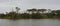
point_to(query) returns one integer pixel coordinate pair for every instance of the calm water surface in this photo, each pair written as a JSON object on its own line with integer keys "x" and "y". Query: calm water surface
{"x": 30, "y": 22}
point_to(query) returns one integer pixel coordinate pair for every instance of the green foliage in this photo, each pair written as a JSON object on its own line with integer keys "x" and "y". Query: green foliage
{"x": 25, "y": 16}
{"x": 36, "y": 16}
{"x": 55, "y": 14}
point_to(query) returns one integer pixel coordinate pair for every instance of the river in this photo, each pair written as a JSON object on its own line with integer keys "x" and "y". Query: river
{"x": 30, "y": 22}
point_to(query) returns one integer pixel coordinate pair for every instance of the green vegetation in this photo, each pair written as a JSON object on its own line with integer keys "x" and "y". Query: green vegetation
{"x": 32, "y": 14}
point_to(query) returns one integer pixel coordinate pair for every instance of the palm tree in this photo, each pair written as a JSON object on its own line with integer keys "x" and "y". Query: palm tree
{"x": 17, "y": 9}
{"x": 15, "y": 14}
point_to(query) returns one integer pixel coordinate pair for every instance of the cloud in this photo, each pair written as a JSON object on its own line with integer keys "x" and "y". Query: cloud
{"x": 24, "y": 4}
{"x": 43, "y": 3}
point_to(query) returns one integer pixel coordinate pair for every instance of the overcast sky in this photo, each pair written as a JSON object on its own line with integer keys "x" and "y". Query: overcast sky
{"x": 7, "y": 5}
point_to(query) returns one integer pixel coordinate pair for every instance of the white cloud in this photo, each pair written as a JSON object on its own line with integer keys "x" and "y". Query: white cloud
{"x": 24, "y": 4}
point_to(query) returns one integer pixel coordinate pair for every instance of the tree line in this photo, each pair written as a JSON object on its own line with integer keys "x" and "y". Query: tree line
{"x": 32, "y": 14}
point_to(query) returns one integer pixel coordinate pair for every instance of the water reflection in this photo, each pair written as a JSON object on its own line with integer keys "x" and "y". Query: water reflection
{"x": 30, "y": 22}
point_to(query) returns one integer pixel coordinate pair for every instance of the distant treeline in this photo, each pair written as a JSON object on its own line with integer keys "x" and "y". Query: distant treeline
{"x": 32, "y": 14}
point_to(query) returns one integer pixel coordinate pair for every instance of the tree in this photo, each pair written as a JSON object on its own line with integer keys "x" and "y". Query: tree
{"x": 25, "y": 16}
{"x": 33, "y": 10}
{"x": 2, "y": 16}
{"x": 53, "y": 12}
{"x": 17, "y": 9}
{"x": 29, "y": 10}
{"x": 58, "y": 12}
{"x": 41, "y": 10}
{"x": 37, "y": 16}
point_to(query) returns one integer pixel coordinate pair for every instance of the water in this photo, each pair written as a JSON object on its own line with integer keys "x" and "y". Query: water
{"x": 30, "y": 22}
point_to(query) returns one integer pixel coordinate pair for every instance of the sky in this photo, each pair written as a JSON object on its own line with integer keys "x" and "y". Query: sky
{"x": 8, "y": 5}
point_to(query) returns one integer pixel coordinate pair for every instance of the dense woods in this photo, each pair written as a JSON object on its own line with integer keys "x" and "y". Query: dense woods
{"x": 32, "y": 14}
